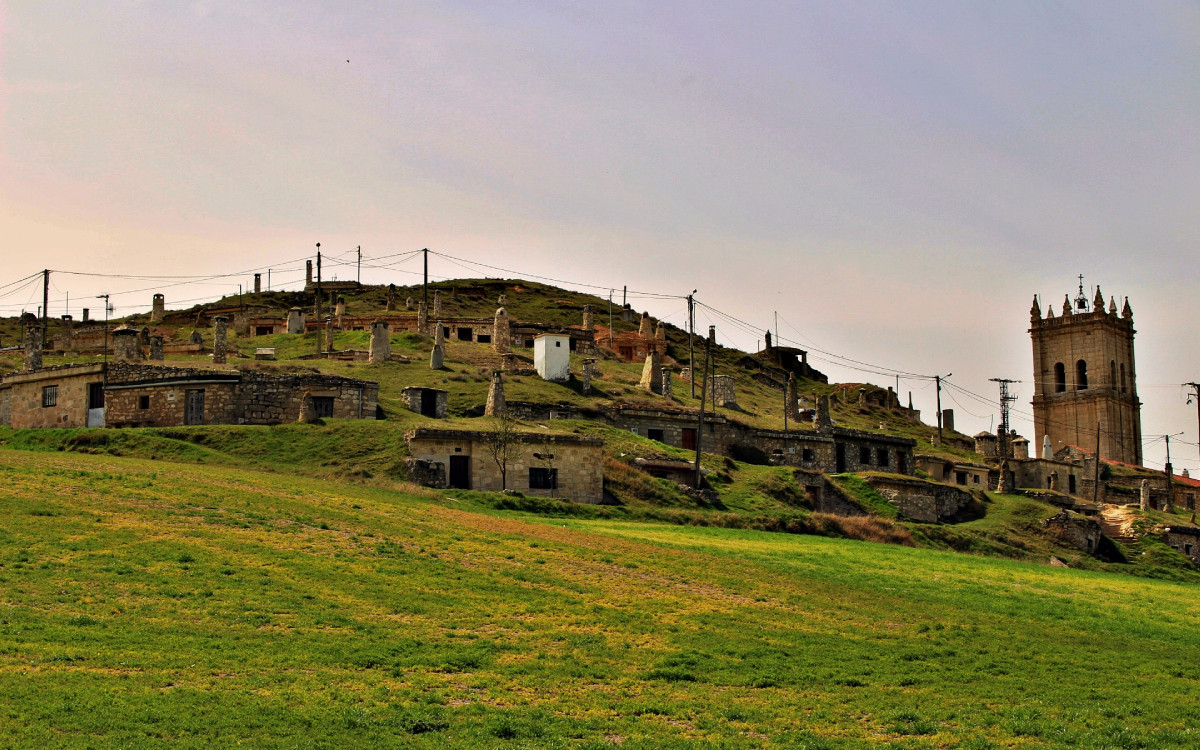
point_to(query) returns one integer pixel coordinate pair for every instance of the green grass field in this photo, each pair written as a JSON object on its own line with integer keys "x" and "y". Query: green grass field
{"x": 149, "y": 604}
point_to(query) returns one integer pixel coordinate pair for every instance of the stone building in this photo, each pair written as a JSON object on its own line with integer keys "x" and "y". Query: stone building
{"x": 549, "y": 465}
{"x": 1084, "y": 376}
{"x": 137, "y": 395}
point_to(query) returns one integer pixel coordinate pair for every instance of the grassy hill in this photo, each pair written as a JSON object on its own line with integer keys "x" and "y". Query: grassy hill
{"x": 151, "y": 603}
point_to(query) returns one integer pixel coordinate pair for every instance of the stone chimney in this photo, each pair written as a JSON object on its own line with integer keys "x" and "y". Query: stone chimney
{"x": 589, "y": 323}
{"x": 408, "y": 304}
{"x": 33, "y": 347}
{"x": 437, "y": 304}
{"x": 589, "y": 366}
{"x": 652, "y": 373}
{"x": 158, "y": 308}
{"x": 308, "y": 409}
{"x": 85, "y": 315}
{"x": 644, "y": 328}
{"x": 329, "y": 334}
{"x": 381, "y": 342}
{"x": 667, "y": 389}
{"x": 660, "y": 339}
{"x": 423, "y": 319}
{"x": 390, "y": 303}
{"x": 501, "y": 333}
{"x": 823, "y": 421}
{"x": 308, "y": 273}
{"x": 496, "y": 405}
{"x": 438, "y": 356}
{"x": 295, "y": 320}
{"x": 340, "y": 309}
{"x": 948, "y": 420}
{"x": 125, "y": 345}
{"x": 258, "y": 283}
{"x": 725, "y": 393}
{"x": 68, "y": 332}
{"x": 219, "y": 346}
{"x": 156, "y": 348}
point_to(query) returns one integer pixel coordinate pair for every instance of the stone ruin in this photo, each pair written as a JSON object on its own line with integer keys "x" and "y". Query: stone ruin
{"x": 381, "y": 342}
{"x": 196, "y": 339}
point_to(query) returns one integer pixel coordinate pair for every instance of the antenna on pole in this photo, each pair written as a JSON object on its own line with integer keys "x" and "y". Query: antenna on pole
{"x": 1005, "y": 400}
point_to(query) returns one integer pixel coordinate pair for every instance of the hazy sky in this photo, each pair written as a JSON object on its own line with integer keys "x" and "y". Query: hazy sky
{"x": 896, "y": 180}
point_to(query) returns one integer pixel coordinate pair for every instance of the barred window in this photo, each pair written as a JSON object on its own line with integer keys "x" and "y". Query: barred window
{"x": 543, "y": 479}
{"x": 50, "y": 395}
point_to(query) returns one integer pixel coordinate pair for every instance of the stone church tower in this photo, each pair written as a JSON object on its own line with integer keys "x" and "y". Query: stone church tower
{"x": 1084, "y": 375}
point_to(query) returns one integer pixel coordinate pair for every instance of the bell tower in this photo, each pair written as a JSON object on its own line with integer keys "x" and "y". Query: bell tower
{"x": 1084, "y": 376}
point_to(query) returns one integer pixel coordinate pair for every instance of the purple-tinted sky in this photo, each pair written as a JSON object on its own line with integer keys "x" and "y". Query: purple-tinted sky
{"x": 896, "y": 180}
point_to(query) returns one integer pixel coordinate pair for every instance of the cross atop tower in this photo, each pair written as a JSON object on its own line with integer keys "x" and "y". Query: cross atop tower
{"x": 1081, "y": 302}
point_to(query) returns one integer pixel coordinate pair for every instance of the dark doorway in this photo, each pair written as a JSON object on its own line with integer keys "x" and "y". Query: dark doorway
{"x": 689, "y": 438}
{"x": 654, "y": 434}
{"x": 901, "y": 468}
{"x": 194, "y": 407}
{"x": 465, "y": 334}
{"x": 323, "y": 406}
{"x": 460, "y": 472}
{"x": 95, "y": 396}
{"x": 429, "y": 404}
{"x": 840, "y": 457}
{"x": 1071, "y": 484}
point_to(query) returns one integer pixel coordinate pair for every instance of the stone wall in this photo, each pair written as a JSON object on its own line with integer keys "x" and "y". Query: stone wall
{"x": 145, "y": 395}
{"x": 24, "y": 396}
{"x": 412, "y": 397}
{"x": 928, "y": 502}
{"x": 1186, "y": 539}
{"x": 1073, "y": 529}
{"x": 577, "y": 459}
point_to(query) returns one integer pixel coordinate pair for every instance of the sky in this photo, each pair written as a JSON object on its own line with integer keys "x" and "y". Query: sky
{"x": 892, "y": 181}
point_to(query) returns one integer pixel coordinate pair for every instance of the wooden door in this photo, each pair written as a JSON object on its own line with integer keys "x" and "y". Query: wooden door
{"x": 194, "y": 407}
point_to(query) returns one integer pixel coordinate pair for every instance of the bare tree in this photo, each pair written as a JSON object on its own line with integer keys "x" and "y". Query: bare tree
{"x": 503, "y": 443}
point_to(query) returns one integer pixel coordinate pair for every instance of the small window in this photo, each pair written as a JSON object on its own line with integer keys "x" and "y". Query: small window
{"x": 1123, "y": 377}
{"x": 465, "y": 334}
{"x": 864, "y": 454}
{"x": 50, "y": 395}
{"x": 654, "y": 434}
{"x": 975, "y": 478}
{"x": 558, "y": 343}
{"x": 484, "y": 338}
{"x": 882, "y": 456}
{"x": 323, "y": 406}
{"x": 543, "y": 479}
{"x": 808, "y": 455}
{"x": 1112, "y": 374}
{"x": 1060, "y": 377}
{"x": 143, "y": 402}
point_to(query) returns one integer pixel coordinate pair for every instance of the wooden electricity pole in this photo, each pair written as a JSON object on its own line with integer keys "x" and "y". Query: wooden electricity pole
{"x": 691, "y": 338}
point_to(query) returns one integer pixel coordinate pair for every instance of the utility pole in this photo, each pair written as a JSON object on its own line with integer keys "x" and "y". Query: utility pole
{"x": 610, "y": 332}
{"x": 938, "y": 379}
{"x": 712, "y": 341}
{"x": 359, "y": 275}
{"x": 317, "y": 296}
{"x": 426, "y": 285}
{"x": 1168, "y": 471}
{"x": 1195, "y": 395}
{"x": 691, "y": 340}
{"x": 45, "y": 305}
{"x": 106, "y": 309}
{"x": 1005, "y": 400}
{"x": 700, "y": 419}
{"x": 624, "y": 296}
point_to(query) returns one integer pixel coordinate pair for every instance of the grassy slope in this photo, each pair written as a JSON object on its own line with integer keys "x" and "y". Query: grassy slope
{"x": 147, "y": 604}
